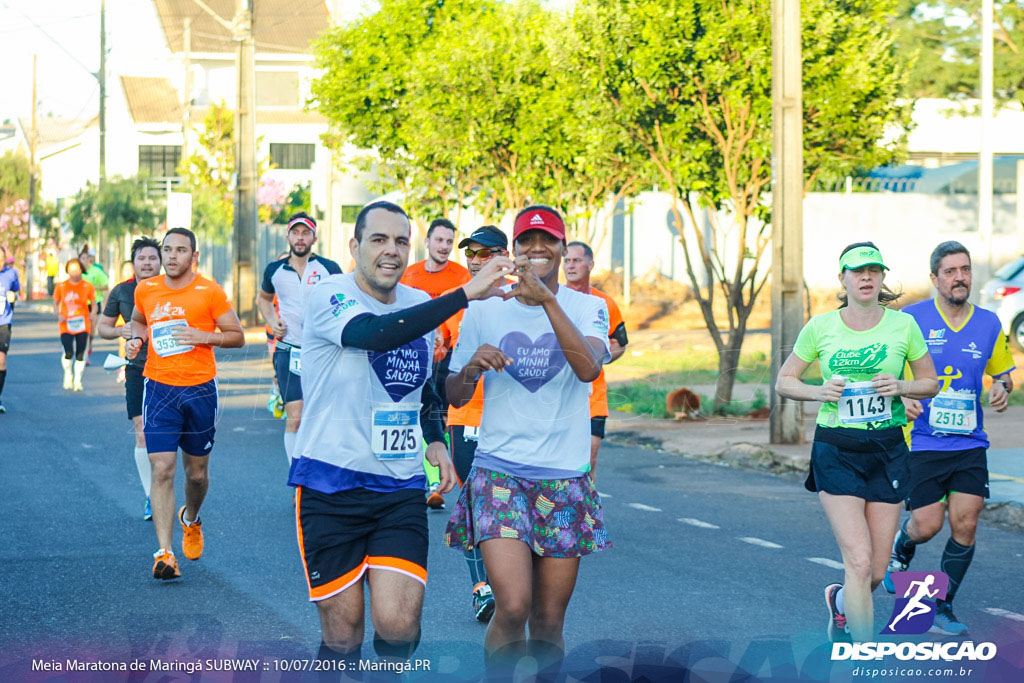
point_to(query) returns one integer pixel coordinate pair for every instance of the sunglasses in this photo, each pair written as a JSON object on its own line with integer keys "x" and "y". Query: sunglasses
{"x": 486, "y": 252}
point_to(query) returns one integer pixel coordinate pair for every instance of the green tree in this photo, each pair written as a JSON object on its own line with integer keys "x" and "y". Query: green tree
{"x": 941, "y": 39}
{"x": 117, "y": 208}
{"x": 14, "y": 178}
{"x": 691, "y": 83}
{"x": 207, "y": 175}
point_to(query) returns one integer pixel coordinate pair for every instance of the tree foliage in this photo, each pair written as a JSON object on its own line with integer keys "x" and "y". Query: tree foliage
{"x": 118, "y": 207}
{"x": 497, "y": 104}
{"x": 14, "y": 178}
{"x": 942, "y": 41}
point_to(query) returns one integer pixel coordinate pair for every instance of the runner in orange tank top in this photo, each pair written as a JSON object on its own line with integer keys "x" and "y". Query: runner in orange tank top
{"x": 577, "y": 265}
{"x": 72, "y": 301}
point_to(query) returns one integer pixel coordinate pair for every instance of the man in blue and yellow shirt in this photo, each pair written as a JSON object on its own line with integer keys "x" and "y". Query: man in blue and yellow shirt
{"x": 948, "y": 443}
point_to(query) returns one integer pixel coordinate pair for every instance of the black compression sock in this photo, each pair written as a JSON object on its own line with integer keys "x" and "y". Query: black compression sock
{"x": 3, "y": 377}
{"x": 905, "y": 546}
{"x": 343, "y": 665}
{"x": 397, "y": 650}
{"x": 956, "y": 559}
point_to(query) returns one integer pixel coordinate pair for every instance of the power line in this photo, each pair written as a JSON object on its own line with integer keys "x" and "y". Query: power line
{"x": 52, "y": 39}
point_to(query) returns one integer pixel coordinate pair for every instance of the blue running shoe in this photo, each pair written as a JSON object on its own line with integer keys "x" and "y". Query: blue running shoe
{"x": 147, "y": 512}
{"x": 483, "y": 602}
{"x": 946, "y": 622}
{"x": 898, "y": 562}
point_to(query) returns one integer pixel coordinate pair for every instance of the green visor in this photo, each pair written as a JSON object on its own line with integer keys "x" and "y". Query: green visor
{"x": 859, "y": 257}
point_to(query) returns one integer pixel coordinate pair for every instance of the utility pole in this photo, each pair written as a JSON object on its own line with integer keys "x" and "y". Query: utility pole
{"x": 786, "y": 421}
{"x": 186, "y": 103}
{"x": 102, "y": 76}
{"x": 245, "y": 164}
{"x": 33, "y": 139}
{"x": 985, "y": 153}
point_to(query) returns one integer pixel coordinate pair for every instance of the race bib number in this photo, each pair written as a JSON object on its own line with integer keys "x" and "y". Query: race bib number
{"x": 396, "y": 433}
{"x": 295, "y": 361}
{"x": 471, "y": 434}
{"x": 861, "y": 403}
{"x": 953, "y": 412}
{"x": 161, "y": 340}
{"x": 76, "y": 324}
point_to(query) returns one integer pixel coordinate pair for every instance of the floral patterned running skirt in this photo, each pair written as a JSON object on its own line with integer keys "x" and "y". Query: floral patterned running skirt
{"x": 554, "y": 517}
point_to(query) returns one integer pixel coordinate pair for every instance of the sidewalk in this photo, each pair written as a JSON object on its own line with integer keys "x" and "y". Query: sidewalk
{"x": 742, "y": 442}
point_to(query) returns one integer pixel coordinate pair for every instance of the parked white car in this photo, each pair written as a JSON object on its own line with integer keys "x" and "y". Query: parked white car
{"x": 1004, "y": 296}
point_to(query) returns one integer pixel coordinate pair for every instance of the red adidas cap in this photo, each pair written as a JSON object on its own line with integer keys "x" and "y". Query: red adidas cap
{"x": 302, "y": 221}
{"x": 544, "y": 219}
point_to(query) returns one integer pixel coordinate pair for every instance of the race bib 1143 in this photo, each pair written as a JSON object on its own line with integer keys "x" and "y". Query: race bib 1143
{"x": 861, "y": 403}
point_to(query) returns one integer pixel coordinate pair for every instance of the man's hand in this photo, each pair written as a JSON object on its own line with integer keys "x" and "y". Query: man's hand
{"x": 189, "y": 336}
{"x": 886, "y": 384}
{"x": 913, "y": 407}
{"x": 437, "y": 455}
{"x": 11, "y": 297}
{"x": 132, "y": 348}
{"x": 832, "y": 390}
{"x": 125, "y": 331}
{"x": 488, "y": 357}
{"x": 998, "y": 397}
{"x": 482, "y": 286}
{"x": 530, "y": 290}
{"x": 278, "y": 328}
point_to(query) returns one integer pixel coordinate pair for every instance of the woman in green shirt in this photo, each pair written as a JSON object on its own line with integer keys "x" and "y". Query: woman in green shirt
{"x": 859, "y": 460}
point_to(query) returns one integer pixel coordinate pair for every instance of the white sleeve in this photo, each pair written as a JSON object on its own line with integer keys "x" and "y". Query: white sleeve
{"x": 593, "y": 322}
{"x": 469, "y": 339}
{"x": 328, "y": 310}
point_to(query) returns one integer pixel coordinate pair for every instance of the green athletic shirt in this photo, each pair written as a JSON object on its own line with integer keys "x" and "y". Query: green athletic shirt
{"x": 859, "y": 356}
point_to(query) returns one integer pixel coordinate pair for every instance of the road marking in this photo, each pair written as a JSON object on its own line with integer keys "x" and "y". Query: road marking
{"x": 827, "y": 562}
{"x": 1005, "y": 477}
{"x": 87, "y": 446}
{"x": 697, "y": 523}
{"x": 641, "y": 506}
{"x": 759, "y": 541}
{"x": 1004, "y": 613}
{"x": 238, "y": 429}
{"x": 604, "y": 495}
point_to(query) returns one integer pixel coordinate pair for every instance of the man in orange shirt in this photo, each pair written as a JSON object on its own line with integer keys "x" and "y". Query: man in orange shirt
{"x": 578, "y": 263}
{"x": 180, "y": 314}
{"x": 73, "y": 300}
{"x": 464, "y": 423}
{"x": 436, "y": 275}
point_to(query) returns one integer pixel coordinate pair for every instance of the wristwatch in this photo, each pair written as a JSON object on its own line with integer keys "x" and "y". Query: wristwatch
{"x": 1005, "y": 385}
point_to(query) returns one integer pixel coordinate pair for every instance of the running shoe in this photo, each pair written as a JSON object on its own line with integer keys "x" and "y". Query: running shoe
{"x": 946, "y": 622}
{"x": 838, "y": 631}
{"x": 271, "y": 402}
{"x": 435, "y": 501}
{"x": 192, "y": 541}
{"x": 898, "y": 562}
{"x": 483, "y": 602}
{"x": 2, "y": 409}
{"x": 78, "y": 385}
{"x": 165, "y": 566}
{"x": 147, "y": 511}
{"x": 279, "y": 408}
{"x": 68, "y": 380}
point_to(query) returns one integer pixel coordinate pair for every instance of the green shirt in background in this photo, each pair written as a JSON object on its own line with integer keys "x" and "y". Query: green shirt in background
{"x": 96, "y": 277}
{"x": 859, "y": 356}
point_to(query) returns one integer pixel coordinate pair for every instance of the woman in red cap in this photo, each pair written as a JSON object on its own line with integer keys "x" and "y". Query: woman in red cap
{"x": 528, "y": 502}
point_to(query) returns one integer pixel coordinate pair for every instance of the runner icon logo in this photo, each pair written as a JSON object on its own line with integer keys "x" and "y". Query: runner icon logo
{"x": 914, "y": 613}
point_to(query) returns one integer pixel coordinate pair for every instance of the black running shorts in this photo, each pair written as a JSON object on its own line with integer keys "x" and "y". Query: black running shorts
{"x": 289, "y": 385}
{"x": 935, "y": 474}
{"x": 134, "y": 383}
{"x": 869, "y": 464}
{"x": 343, "y": 534}
{"x": 463, "y": 451}
{"x": 5, "y": 338}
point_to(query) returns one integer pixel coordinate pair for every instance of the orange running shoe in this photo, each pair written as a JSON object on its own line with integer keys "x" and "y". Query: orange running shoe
{"x": 192, "y": 540}
{"x": 165, "y": 566}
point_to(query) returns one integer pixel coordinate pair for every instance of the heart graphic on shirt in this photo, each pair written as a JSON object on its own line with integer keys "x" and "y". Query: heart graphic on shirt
{"x": 535, "y": 362}
{"x": 403, "y": 370}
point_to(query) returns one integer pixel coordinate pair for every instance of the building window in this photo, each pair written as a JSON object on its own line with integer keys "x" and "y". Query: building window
{"x": 292, "y": 154}
{"x": 159, "y": 161}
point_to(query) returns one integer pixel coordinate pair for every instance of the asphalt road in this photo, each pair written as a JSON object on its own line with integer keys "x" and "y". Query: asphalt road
{"x": 716, "y": 571}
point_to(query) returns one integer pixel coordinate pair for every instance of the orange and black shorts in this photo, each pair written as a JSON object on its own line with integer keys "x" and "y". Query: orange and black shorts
{"x": 343, "y": 534}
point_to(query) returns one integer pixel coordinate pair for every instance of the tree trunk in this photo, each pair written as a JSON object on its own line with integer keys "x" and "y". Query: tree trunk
{"x": 728, "y": 363}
